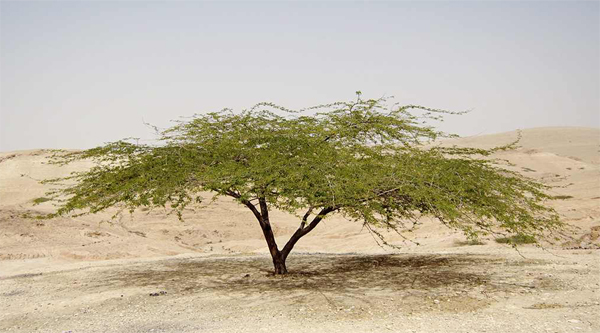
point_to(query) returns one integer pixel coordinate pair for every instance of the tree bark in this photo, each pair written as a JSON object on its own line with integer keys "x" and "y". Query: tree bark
{"x": 278, "y": 259}
{"x": 265, "y": 224}
{"x": 279, "y": 264}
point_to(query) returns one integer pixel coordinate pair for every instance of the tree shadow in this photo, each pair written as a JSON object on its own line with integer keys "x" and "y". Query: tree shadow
{"x": 326, "y": 273}
{"x": 413, "y": 282}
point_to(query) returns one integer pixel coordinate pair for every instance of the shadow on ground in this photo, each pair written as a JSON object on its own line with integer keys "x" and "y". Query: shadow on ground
{"x": 326, "y": 273}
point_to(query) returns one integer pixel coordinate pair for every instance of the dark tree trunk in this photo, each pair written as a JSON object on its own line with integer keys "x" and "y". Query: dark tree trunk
{"x": 265, "y": 224}
{"x": 279, "y": 264}
{"x": 278, "y": 258}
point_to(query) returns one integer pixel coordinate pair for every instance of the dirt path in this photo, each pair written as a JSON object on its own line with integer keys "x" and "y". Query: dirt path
{"x": 452, "y": 292}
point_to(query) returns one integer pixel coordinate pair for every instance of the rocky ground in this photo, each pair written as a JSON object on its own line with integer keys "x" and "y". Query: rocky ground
{"x": 467, "y": 290}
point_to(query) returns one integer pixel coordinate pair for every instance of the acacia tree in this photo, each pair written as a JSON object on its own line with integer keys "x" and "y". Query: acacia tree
{"x": 368, "y": 160}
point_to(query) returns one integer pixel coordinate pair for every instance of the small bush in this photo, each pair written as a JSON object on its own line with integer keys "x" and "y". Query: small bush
{"x": 516, "y": 240}
{"x": 562, "y": 197}
{"x": 40, "y": 200}
{"x": 469, "y": 242}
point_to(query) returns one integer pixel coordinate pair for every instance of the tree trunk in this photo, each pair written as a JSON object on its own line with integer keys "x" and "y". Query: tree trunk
{"x": 279, "y": 264}
{"x": 279, "y": 257}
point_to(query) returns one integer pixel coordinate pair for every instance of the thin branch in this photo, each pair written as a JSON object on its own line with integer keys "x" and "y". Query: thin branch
{"x": 264, "y": 210}
{"x": 232, "y": 193}
{"x": 254, "y": 210}
{"x": 305, "y": 217}
{"x": 300, "y": 232}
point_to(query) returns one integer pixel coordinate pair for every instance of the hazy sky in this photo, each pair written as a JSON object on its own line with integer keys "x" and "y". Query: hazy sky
{"x": 78, "y": 74}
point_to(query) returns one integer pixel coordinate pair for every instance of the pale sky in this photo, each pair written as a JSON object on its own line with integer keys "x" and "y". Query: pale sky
{"x": 79, "y": 74}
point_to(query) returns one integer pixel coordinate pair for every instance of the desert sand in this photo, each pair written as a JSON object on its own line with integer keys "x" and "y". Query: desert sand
{"x": 149, "y": 272}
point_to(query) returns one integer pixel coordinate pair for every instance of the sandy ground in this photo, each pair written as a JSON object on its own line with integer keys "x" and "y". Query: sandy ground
{"x": 96, "y": 274}
{"x": 437, "y": 292}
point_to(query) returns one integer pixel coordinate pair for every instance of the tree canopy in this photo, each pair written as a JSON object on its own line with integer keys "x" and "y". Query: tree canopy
{"x": 368, "y": 159}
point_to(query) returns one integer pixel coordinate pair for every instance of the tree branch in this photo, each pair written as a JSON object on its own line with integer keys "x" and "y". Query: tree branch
{"x": 264, "y": 210}
{"x": 232, "y": 193}
{"x": 254, "y": 210}
{"x": 305, "y": 218}
{"x": 248, "y": 204}
{"x": 300, "y": 232}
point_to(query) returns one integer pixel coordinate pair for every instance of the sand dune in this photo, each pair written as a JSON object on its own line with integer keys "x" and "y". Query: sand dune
{"x": 577, "y": 143}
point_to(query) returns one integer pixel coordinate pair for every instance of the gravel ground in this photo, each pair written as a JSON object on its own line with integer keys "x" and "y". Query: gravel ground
{"x": 464, "y": 291}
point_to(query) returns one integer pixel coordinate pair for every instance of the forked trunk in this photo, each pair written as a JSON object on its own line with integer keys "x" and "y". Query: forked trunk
{"x": 279, "y": 257}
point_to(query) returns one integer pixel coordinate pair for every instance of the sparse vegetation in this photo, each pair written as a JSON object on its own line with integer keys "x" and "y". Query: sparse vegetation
{"x": 562, "y": 197}
{"x": 517, "y": 240}
{"x": 469, "y": 242}
{"x": 40, "y": 200}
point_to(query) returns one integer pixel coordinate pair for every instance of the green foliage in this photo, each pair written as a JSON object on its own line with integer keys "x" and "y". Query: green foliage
{"x": 368, "y": 160}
